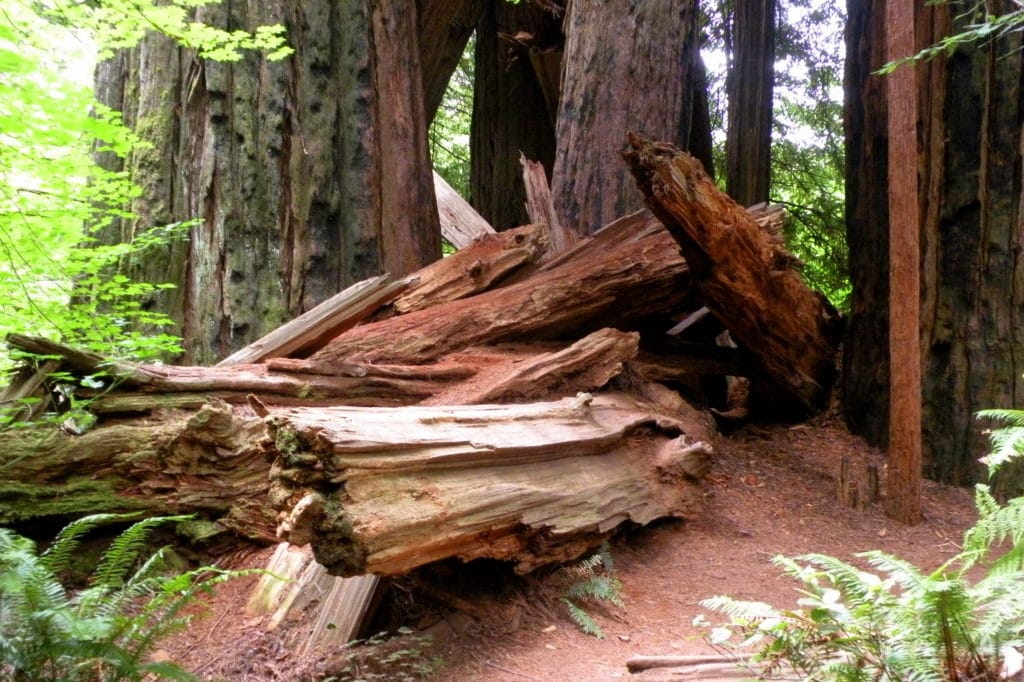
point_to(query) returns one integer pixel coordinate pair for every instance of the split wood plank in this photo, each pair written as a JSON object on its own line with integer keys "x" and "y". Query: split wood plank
{"x": 312, "y": 329}
{"x": 586, "y": 365}
{"x": 460, "y": 223}
{"x": 475, "y": 268}
{"x": 541, "y": 208}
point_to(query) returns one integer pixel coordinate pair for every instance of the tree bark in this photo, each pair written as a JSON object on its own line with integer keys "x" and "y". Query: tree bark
{"x": 745, "y": 278}
{"x": 642, "y": 76}
{"x": 384, "y": 493}
{"x": 972, "y": 286}
{"x": 444, "y": 29}
{"x": 750, "y": 84}
{"x": 509, "y": 111}
{"x": 903, "y": 489}
{"x": 299, "y": 192}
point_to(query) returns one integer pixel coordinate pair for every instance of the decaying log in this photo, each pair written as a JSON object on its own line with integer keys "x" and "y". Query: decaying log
{"x": 384, "y": 491}
{"x": 475, "y": 268}
{"x": 744, "y": 277}
{"x": 620, "y": 284}
{"x": 207, "y": 463}
{"x": 309, "y": 331}
{"x": 586, "y": 365}
{"x": 137, "y": 387}
{"x": 460, "y": 223}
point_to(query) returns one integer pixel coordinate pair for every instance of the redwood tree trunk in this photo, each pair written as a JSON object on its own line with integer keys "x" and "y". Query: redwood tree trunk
{"x": 628, "y": 67}
{"x": 750, "y": 85}
{"x": 970, "y": 118}
{"x": 509, "y": 111}
{"x": 903, "y": 482}
{"x": 306, "y": 175}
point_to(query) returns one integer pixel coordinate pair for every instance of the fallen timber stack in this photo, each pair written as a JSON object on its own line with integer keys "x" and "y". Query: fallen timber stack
{"x": 509, "y": 402}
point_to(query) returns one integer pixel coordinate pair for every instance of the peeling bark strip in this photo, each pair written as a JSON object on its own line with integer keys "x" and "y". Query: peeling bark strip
{"x": 746, "y": 279}
{"x": 385, "y": 491}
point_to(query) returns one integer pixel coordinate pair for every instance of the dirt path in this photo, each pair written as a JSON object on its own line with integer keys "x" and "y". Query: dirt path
{"x": 772, "y": 492}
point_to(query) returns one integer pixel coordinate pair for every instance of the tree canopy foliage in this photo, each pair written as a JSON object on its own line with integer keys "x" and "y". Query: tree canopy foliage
{"x": 54, "y": 278}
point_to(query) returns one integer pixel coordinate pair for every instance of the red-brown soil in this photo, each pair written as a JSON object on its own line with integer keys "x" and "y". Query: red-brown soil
{"x": 773, "y": 492}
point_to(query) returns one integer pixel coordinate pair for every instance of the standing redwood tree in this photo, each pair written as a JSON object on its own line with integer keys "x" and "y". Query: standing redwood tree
{"x": 628, "y": 66}
{"x": 903, "y": 501}
{"x": 970, "y": 118}
{"x": 305, "y": 175}
{"x": 750, "y": 85}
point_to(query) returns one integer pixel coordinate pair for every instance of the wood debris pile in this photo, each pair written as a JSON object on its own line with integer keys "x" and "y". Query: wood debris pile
{"x": 517, "y": 400}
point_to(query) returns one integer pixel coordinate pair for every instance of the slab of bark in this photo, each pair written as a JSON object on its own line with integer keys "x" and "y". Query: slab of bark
{"x": 384, "y": 491}
{"x": 744, "y": 277}
{"x": 586, "y": 365}
{"x": 620, "y": 283}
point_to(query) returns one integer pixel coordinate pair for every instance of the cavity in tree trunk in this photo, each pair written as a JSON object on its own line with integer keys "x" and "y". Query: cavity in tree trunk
{"x": 306, "y": 175}
{"x": 640, "y": 76}
{"x": 509, "y": 110}
{"x": 750, "y": 83}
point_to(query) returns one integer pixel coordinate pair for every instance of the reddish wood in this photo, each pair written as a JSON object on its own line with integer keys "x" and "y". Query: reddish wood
{"x": 903, "y": 489}
{"x": 744, "y": 276}
{"x": 618, "y": 284}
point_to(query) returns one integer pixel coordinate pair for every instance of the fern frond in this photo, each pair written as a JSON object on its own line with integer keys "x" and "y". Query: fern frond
{"x": 583, "y": 619}
{"x": 58, "y": 556}
{"x": 124, "y": 551}
{"x": 1007, "y": 442}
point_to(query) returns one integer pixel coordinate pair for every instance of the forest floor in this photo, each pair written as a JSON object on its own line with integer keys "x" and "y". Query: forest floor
{"x": 773, "y": 491}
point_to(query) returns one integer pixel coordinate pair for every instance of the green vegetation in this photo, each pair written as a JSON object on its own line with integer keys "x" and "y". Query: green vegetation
{"x": 54, "y": 278}
{"x": 105, "y": 631}
{"x": 403, "y": 657}
{"x": 449, "y": 131}
{"x": 591, "y": 580}
{"x": 895, "y": 622}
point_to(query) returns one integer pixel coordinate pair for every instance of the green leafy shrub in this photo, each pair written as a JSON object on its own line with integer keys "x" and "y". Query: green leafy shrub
{"x": 895, "y": 622}
{"x": 594, "y": 580}
{"x": 105, "y": 631}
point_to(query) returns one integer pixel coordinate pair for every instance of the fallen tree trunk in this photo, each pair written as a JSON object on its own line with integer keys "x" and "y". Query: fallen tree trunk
{"x": 743, "y": 276}
{"x": 207, "y": 463}
{"x": 385, "y": 491}
{"x": 620, "y": 284}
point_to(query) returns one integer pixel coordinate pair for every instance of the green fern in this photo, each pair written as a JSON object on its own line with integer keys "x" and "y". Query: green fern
{"x": 105, "y": 631}
{"x": 898, "y": 623}
{"x": 592, "y": 579}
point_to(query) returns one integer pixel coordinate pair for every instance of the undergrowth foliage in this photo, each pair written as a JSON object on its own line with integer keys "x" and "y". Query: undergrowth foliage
{"x": 106, "y": 631}
{"x": 891, "y": 621}
{"x": 591, "y": 580}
